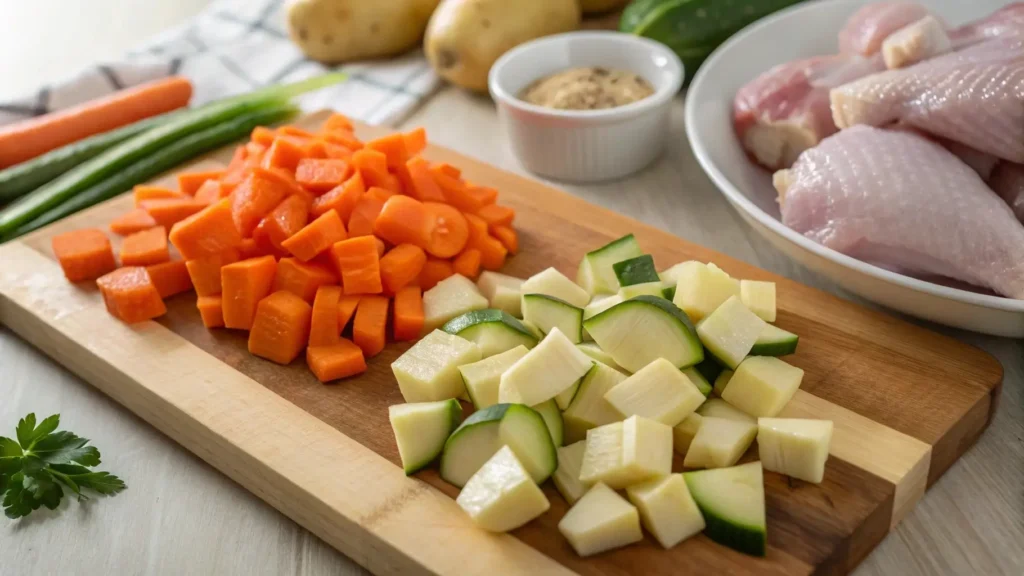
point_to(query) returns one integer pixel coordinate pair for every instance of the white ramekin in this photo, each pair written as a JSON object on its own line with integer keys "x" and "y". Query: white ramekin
{"x": 586, "y": 145}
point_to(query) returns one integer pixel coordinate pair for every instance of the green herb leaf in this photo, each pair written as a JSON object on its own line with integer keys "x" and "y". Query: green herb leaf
{"x": 17, "y": 502}
{"x": 101, "y": 482}
{"x": 25, "y": 428}
{"x": 9, "y": 448}
{"x": 66, "y": 447}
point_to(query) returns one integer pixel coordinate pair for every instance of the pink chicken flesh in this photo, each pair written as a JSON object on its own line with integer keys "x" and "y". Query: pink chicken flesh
{"x": 1007, "y": 20}
{"x": 903, "y": 202}
{"x": 868, "y": 28}
{"x": 1008, "y": 181}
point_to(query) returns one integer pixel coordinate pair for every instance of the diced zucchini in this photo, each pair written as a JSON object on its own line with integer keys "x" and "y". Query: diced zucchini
{"x": 714, "y": 268}
{"x": 533, "y": 328}
{"x": 589, "y": 409}
{"x": 668, "y": 292}
{"x": 658, "y": 391}
{"x": 567, "y": 475}
{"x": 698, "y": 380}
{"x": 594, "y": 351}
{"x": 721, "y": 382}
{"x": 421, "y": 430}
{"x": 547, "y": 312}
{"x": 554, "y": 283}
{"x": 599, "y": 304}
{"x": 709, "y": 368}
{"x": 600, "y": 521}
{"x": 732, "y": 503}
{"x": 666, "y": 509}
{"x": 774, "y": 341}
{"x": 596, "y": 274}
{"x": 670, "y": 275}
{"x": 719, "y": 443}
{"x": 627, "y": 452}
{"x": 637, "y": 270}
{"x": 700, "y": 290}
{"x": 718, "y": 408}
{"x": 552, "y": 419}
{"x": 451, "y": 297}
{"x": 429, "y": 371}
{"x": 564, "y": 398}
{"x": 759, "y": 297}
{"x": 683, "y": 433}
{"x": 762, "y": 386}
{"x": 494, "y": 331}
{"x": 795, "y": 447}
{"x": 502, "y": 496}
{"x": 549, "y": 369}
{"x": 730, "y": 332}
{"x": 655, "y": 288}
{"x": 483, "y": 378}
{"x": 667, "y": 333}
{"x": 486, "y": 431}
{"x": 502, "y": 291}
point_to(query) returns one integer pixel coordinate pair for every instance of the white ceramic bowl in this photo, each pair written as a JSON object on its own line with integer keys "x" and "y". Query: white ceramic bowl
{"x": 586, "y": 145}
{"x": 799, "y": 32}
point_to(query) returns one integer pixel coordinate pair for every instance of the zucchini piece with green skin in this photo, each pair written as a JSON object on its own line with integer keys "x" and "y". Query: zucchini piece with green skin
{"x": 483, "y": 377}
{"x": 494, "y": 331}
{"x": 732, "y": 503}
{"x": 554, "y": 283}
{"x": 564, "y": 398}
{"x": 501, "y": 496}
{"x": 638, "y": 270}
{"x": 547, "y": 312}
{"x": 481, "y": 435}
{"x": 721, "y": 382}
{"x": 774, "y": 341}
{"x": 698, "y": 380}
{"x": 421, "y": 429}
{"x": 730, "y": 331}
{"x": 157, "y": 163}
{"x": 668, "y": 333}
{"x": 709, "y": 368}
{"x": 655, "y": 288}
{"x": 594, "y": 351}
{"x": 552, "y": 419}
{"x": 596, "y": 275}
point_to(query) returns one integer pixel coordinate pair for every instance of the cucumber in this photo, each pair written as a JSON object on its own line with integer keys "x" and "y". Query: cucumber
{"x": 718, "y": 408}
{"x": 730, "y": 331}
{"x": 719, "y": 443}
{"x": 795, "y": 447}
{"x": 494, "y": 331}
{"x": 483, "y": 378}
{"x": 655, "y": 288}
{"x": 451, "y": 297}
{"x": 552, "y": 419}
{"x": 428, "y": 371}
{"x": 567, "y": 475}
{"x": 545, "y": 372}
{"x": 759, "y": 297}
{"x": 421, "y": 430}
{"x": 667, "y": 333}
{"x": 721, "y": 382}
{"x": 659, "y": 392}
{"x": 554, "y": 283}
{"x": 709, "y": 368}
{"x": 698, "y": 380}
{"x": 732, "y": 503}
{"x": 638, "y": 270}
{"x": 666, "y": 509}
{"x": 700, "y": 289}
{"x": 596, "y": 275}
{"x": 547, "y": 312}
{"x": 589, "y": 409}
{"x": 595, "y": 352}
{"x": 600, "y": 521}
{"x": 774, "y": 341}
{"x": 501, "y": 496}
{"x": 762, "y": 386}
{"x": 502, "y": 291}
{"x": 481, "y": 435}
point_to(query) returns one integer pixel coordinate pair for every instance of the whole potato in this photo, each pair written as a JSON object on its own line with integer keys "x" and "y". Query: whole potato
{"x": 333, "y": 31}
{"x": 598, "y": 6}
{"x": 465, "y": 37}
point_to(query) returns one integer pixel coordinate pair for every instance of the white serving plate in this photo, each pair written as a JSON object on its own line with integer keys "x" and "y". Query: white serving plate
{"x": 799, "y": 32}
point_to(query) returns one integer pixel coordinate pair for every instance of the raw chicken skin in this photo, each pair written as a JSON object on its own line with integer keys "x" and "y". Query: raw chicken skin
{"x": 865, "y": 31}
{"x": 974, "y": 96}
{"x": 924, "y": 39}
{"x": 1008, "y": 181}
{"x": 1007, "y": 20}
{"x": 903, "y": 202}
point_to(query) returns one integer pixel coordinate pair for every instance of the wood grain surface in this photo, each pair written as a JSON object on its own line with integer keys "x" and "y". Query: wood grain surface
{"x": 937, "y": 397}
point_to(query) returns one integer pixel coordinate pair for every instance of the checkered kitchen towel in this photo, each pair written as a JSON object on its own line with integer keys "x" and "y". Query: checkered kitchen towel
{"x": 235, "y": 46}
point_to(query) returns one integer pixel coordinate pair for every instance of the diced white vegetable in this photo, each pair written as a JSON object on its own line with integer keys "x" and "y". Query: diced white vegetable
{"x": 642, "y": 289}
{"x": 501, "y": 496}
{"x": 759, "y": 297}
{"x": 451, "y": 297}
{"x": 552, "y": 419}
{"x": 666, "y": 509}
{"x": 721, "y": 382}
{"x": 719, "y": 443}
{"x": 502, "y": 291}
{"x": 599, "y": 521}
{"x": 421, "y": 430}
{"x": 485, "y": 431}
{"x": 552, "y": 366}
{"x": 627, "y": 452}
{"x": 730, "y": 332}
{"x": 596, "y": 274}
{"x": 483, "y": 378}
{"x": 564, "y": 398}
{"x": 588, "y": 408}
{"x": 794, "y": 447}
{"x": 594, "y": 351}
{"x": 429, "y": 371}
{"x": 659, "y": 391}
{"x": 700, "y": 290}
{"x": 554, "y": 283}
{"x": 718, "y": 408}
{"x": 762, "y": 385}
{"x": 732, "y": 502}
{"x": 567, "y": 475}
{"x": 547, "y": 312}
{"x": 683, "y": 433}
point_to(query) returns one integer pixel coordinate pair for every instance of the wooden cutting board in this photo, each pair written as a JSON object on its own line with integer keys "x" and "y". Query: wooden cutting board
{"x": 906, "y": 404}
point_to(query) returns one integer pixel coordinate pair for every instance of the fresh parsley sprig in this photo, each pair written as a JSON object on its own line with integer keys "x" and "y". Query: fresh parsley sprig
{"x": 34, "y": 468}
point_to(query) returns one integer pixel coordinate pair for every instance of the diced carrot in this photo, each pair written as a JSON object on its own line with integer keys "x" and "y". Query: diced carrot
{"x": 468, "y": 263}
{"x": 211, "y": 310}
{"x": 263, "y": 244}
{"x": 283, "y": 153}
{"x": 405, "y": 183}
{"x": 83, "y": 254}
{"x": 209, "y": 192}
{"x": 303, "y": 278}
{"x": 323, "y": 329}
{"x": 189, "y": 182}
{"x": 342, "y": 198}
{"x": 236, "y": 170}
{"x": 367, "y": 160}
{"x": 415, "y": 141}
{"x": 401, "y": 266}
{"x": 337, "y": 121}
{"x": 456, "y": 192}
{"x": 434, "y": 271}
{"x": 210, "y": 231}
{"x": 169, "y": 211}
{"x": 381, "y": 246}
{"x": 336, "y": 151}
{"x": 170, "y": 278}
{"x": 315, "y": 149}
{"x": 408, "y": 315}
{"x": 282, "y": 177}
{"x": 131, "y": 222}
{"x": 254, "y": 153}
{"x": 145, "y": 248}
{"x": 364, "y": 216}
{"x": 492, "y": 252}
{"x": 336, "y": 361}
{"x": 319, "y": 175}
{"x": 346, "y": 309}
{"x": 369, "y": 329}
{"x": 262, "y": 135}
{"x": 403, "y": 220}
{"x": 485, "y": 194}
{"x": 316, "y": 237}
{"x": 280, "y": 329}
{"x": 393, "y": 147}
{"x": 421, "y": 181}
{"x": 496, "y": 215}
{"x": 290, "y": 216}
{"x": 205, "y": 272}
{"x": 254, "y": 198}
{"x": 143, "y": 192}
{"x": 508, "y": 238}
{"x": 343, "y": 138}
{"x": 450, "y": 232}
{"x": 448, "y": 169}
{"x": 243, "y": 285}
{"x": 130, "y": 295}
{"x": 359, "y": 263}
{"x": 249, "y": 249}
{"x": 296, "y": 132}
{"x": 378, "y": 193}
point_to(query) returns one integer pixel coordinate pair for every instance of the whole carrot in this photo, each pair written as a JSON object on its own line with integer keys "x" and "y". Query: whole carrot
{"x": 25, "y": 140}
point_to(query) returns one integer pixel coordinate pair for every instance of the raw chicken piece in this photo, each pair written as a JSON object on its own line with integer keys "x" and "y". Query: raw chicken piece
{"x": 916, "y": 42}
{"x": 865, "y": 31}
{"x": 974, "y": 96}
{"x": 898, "y": 200}
{"x": 786, "y": 110}
{"x": 1007, "y": 20}
{"x": 1008, "y": 181}
{"x": 980, "y": 162}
